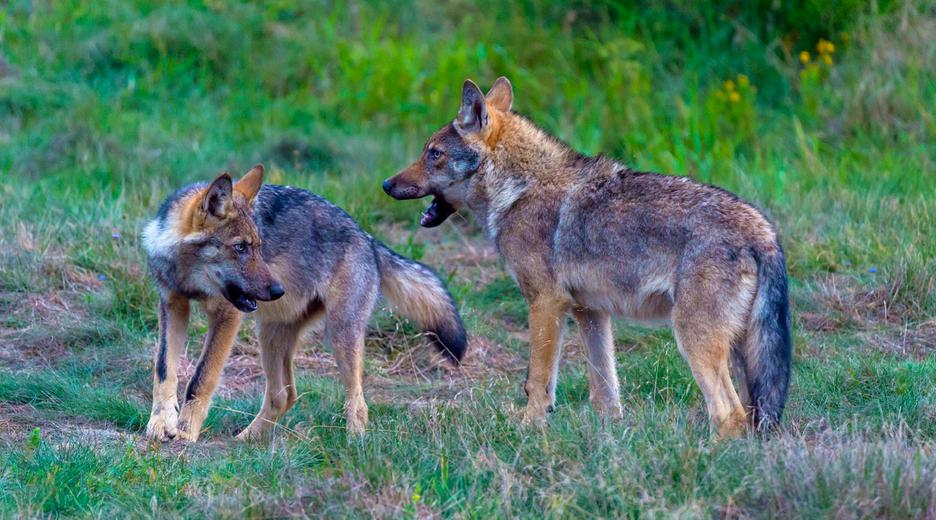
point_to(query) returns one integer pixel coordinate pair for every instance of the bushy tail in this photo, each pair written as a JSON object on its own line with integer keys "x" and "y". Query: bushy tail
{"x": 416, "y": 291}
{"x": 768, "y": 345}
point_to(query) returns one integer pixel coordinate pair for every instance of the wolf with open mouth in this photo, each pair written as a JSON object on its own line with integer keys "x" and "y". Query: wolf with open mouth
{"x": 590, "y": 236}
{"x": 295, "y": 259}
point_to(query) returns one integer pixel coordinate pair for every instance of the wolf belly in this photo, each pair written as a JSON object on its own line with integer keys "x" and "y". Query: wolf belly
{"x": 645, "y": 298}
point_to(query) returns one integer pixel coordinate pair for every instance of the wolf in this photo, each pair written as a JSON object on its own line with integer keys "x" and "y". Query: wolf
{"x": 294, "y": 258}
{"x": 590, "y": 236}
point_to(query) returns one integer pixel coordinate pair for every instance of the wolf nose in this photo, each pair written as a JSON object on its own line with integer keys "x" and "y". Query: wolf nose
{"x": 388, "y": 186}
{"x": 276, "y": 291}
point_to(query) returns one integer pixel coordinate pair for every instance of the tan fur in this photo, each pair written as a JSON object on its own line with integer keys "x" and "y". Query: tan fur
{"x": 695, "y": 270}
{"x": 279, "y": 340}
{"x": 547, "y": 321}
{"x": 250, "y": 183}
{"x": 223, "y": 323}
{"x": 192, "y": 220}
{"x": 414, "y": 300}
{"x": 164, "y": 417}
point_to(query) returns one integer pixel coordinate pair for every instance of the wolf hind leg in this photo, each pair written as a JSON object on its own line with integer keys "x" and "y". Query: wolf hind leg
{"x": 739, "y": 374}
{"x": 347, "y": 314}
{"x": 708, "y": 319}
{"x": 603, "y": 388}
{"x": 707, "y": 354}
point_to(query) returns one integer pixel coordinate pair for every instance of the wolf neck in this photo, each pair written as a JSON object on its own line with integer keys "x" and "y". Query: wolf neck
{"x": 524, "y": 158}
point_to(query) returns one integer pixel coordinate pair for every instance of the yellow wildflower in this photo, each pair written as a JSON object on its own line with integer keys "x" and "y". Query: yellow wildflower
{"x": 743, "y": 80}
{"x": 804, "y": 57}
{"x": 729, "y": 85}
{"x": 734, "y": 97}
{"x": 827, "y": 59}
{"x": 825, "y": 46}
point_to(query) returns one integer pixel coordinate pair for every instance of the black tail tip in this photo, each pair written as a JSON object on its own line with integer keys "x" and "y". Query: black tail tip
{"x": 452, "y": 342}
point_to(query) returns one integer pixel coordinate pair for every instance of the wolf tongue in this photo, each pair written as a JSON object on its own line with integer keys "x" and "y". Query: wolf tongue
{"x": 430, "y": 214}
{"x": 436, "y": 213}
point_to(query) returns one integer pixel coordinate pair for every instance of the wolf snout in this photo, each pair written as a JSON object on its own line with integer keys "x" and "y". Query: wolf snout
{"x": 276, "y": 291}
{"x": 402, "y": 190}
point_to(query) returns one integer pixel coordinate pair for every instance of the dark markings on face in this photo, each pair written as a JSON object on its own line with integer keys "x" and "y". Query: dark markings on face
{"x": 447, "y": 155}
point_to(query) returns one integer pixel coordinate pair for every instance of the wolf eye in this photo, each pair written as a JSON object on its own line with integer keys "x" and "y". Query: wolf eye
{"x": 240, "y": 247}
{"x": 435, "y": 154}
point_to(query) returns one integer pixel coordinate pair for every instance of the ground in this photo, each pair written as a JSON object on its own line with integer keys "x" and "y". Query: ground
{"x": 820, "y": 115}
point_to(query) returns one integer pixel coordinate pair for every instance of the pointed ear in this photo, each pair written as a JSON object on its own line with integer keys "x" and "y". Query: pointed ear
{"x": 249, "y": 184}
{"x": 501, "y": 95}
{"x": 217, "y": 197}
{"x": 472, "y": 117}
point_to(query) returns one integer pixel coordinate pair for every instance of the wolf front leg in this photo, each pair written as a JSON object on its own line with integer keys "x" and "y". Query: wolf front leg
{"x": 173, "y": 325}
{"x": 547, "y": 323}
{"x": 223, "y": 322}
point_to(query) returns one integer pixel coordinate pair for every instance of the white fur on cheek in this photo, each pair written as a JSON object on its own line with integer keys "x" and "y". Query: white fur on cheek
{"x": 460, "y": 166}
{"x": 159, "y": 240}
{"x": 209, "y": 251}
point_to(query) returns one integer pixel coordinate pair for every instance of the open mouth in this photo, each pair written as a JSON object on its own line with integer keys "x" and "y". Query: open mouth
{"x": 436, "y": 213}
{"x": 240, "y": 299}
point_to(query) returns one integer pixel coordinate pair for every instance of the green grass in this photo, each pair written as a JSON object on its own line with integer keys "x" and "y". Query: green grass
{"x": 106, "y": 107}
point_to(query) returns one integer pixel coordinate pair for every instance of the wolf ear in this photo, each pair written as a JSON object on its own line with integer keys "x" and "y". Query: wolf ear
{"x": 472, "y": 116}
{"x": 501, "y": 95}
{"x": 218, "y": 196}
{"x": 249, "y": 184}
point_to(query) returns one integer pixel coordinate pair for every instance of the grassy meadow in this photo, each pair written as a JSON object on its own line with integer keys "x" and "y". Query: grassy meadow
{"x": 823, "y": 114}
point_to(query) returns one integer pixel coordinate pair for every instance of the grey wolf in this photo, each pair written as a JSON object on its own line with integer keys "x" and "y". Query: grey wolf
{"x": 590, "y": 236}
{"x": 295, "y": 259}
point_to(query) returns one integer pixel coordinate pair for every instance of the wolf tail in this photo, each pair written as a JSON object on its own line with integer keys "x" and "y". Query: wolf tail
{"x": 768, "y": 346}
{"x": 416, "y": 291}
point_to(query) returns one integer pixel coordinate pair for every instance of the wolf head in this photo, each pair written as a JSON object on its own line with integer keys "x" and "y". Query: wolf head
{"x": 455, "y": 153}
{"x": 210, "y": 239}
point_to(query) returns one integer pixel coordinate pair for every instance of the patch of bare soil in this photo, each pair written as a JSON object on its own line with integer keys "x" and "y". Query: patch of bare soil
{"x": 883, "y": 320}
{"x": 243, "y": 373}
{"x": 915, "y": 342}
{"x": 457, "y": 245}
{"x": 18, "y": 421}
{"x": 37, "y": 327}
{"x": 844, "y": 302}
{"x": 341, "y": 495}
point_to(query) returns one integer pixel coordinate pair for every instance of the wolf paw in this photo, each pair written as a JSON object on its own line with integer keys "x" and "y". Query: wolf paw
{"x": 733, "y": 426}
{"x": 356, "y": 417}
{"x": 535, "y": 415}
{"x": 190, "y": 419}
{"x": 612, "y": 412}
{"x": 163, "y": 426}
{"x": 251, "y": 434}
